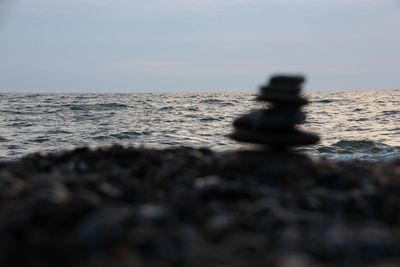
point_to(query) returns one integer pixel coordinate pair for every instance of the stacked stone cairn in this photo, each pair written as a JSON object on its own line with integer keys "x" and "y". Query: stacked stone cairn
{"x": 275, "y": 127}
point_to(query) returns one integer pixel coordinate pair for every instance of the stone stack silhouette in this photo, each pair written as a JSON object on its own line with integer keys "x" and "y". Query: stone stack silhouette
{"x": 275, "y": 127}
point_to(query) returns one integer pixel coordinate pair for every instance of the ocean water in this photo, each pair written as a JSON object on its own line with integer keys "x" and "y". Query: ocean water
{"x": 363, "y": 125}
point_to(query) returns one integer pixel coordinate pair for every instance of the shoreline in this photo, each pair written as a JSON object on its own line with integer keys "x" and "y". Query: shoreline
{"x": 125, "y": 206}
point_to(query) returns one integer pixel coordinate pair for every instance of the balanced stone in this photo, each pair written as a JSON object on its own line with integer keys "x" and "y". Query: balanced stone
{"x": 269, "y": 119}
{"x": 283, "y": 99}
{"x": 287, "y": 80}
{"x": 276, "y": 138}
{"x": 275, "y": 126}
{"x": 281, "y": 89}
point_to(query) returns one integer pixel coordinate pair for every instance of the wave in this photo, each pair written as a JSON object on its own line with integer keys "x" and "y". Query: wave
{"x": 360, "y": 149}
{"x": 212, "y": 101}
{"x": 57, "y": 131}
{"x": 166, "y": 108}
{"x": 391, "y": 112}
{"x": 323, "y": 101}
{"x": 129, "y": 135}
{"x": 20, "y": 124}
{"x": 102, "y": 106}
{"x": 40, "y": 139}
{"x": 132, "y": 135}
{"x": 212, "y": 118}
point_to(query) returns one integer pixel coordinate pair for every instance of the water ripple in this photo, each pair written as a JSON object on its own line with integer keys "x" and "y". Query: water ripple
{"x": 352, "y": 124}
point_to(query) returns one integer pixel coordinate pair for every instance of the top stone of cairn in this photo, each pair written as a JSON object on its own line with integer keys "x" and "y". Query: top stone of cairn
{"x": 283, "y": 90}
{"x": 287, "y": 80}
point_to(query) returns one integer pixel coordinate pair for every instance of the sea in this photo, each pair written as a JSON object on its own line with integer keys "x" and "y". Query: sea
{"x": 363, "y": 125}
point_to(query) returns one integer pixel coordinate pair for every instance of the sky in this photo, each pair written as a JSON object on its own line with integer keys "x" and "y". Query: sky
{"x": 197, "y": 45}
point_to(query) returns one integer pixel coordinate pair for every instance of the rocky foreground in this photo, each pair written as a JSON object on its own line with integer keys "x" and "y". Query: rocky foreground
{"x": 186, "y": 207}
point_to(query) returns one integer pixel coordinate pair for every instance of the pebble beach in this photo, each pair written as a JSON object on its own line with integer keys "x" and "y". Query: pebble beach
{"x": 134, "y": 206}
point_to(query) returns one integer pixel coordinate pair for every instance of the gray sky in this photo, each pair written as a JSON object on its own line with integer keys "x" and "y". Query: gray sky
{"x": 196, "y": 45}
